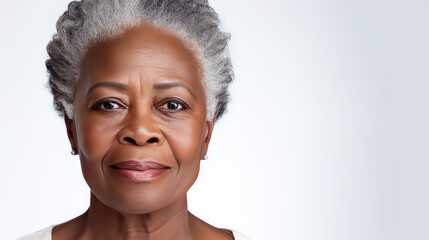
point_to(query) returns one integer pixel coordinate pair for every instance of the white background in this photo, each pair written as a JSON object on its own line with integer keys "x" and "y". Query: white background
{"x": 326, "y": 137}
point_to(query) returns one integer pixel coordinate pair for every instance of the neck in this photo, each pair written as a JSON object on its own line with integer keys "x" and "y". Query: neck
{"x": 103, "y": 222}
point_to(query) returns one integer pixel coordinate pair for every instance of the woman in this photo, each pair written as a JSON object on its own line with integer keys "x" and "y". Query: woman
{"x": 140, "y": 85}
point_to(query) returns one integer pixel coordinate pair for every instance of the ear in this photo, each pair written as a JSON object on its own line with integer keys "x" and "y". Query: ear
{"x": 207, "y": 136}
{"x": 71, "y": 133}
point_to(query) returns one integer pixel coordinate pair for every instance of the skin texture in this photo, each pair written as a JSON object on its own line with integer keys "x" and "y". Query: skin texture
{"x": 140, "y": 98}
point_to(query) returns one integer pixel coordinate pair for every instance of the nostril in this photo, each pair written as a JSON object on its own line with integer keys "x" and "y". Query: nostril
{"x": 153, "y": 140}
{"x": 134, "y": 142}
{"x": 130, "y": 140}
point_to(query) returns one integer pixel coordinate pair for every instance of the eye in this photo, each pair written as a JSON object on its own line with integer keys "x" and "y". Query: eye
{"x": 174, "y": 105}
{"x": 107, "y": 105}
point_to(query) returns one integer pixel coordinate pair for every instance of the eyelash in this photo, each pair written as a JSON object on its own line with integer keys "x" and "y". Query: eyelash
{"x": 182, "y": 104}
{"x": 98, "y": 106}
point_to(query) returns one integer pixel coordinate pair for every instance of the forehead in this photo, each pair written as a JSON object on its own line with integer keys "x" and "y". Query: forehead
{"x": 152, "y": 51}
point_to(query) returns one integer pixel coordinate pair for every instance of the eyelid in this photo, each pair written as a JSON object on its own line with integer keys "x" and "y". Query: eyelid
{"x": 96, "y": 105}
{"x": 185, "y": 106}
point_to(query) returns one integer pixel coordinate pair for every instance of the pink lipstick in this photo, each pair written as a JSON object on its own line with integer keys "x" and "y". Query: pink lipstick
{"x": 139, "y": 171}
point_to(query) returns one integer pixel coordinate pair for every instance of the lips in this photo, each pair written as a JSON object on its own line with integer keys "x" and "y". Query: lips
{"x": 139, "y": 171}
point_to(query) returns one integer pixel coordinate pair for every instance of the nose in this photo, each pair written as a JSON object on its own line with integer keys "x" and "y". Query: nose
{"x": 140, "y": 130}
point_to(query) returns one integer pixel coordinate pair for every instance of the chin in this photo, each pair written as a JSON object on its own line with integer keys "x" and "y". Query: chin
{"x": 133, "y": 201}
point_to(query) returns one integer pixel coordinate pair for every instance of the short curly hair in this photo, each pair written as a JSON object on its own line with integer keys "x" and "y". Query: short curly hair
{"x": 89, "y": 21}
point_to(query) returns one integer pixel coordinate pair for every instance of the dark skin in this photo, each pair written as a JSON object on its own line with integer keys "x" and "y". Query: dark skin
{"x": 140, "y": 98}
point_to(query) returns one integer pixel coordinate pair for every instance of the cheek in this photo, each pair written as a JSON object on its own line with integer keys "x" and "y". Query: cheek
{"x": 186, "y": 141}
{"x": 94, "y": 141}
{"x": 95, "y": 137}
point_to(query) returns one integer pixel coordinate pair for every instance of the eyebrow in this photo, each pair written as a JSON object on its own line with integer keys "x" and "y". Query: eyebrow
{"x": 161, "y": 86}
{"x": 158, "y": 86}
{"x": 115, "y": 85}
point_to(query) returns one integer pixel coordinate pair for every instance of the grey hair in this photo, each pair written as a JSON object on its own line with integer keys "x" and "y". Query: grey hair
{"x": 89, "y": 21}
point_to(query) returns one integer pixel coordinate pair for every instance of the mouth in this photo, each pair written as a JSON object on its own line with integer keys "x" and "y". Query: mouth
{"x": 139, "y": 171}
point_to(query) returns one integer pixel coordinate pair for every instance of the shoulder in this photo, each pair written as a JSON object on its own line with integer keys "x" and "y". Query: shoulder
{"x": 239, "y": 236}
{"x": 207, "y": 231}
{"x": 44, "y": 234}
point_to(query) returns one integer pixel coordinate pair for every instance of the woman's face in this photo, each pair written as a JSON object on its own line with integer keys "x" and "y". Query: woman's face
{"x": 140, "y": 123}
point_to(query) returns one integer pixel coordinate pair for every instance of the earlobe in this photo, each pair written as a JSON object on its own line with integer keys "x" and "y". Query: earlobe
{"x": 71, "y": 133}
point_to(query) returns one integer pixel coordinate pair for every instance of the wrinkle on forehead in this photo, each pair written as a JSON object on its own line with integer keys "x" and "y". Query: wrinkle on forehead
{"x": 144, "y": 52}
{"x": 146, "y": 41}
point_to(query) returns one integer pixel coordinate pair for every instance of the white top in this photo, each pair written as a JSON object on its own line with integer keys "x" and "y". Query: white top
{"x": 46, "y": 234}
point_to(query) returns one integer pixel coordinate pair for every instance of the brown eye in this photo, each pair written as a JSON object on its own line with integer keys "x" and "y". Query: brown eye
{"x": 174, "y": 106}
{"x": 107, "y": 106}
